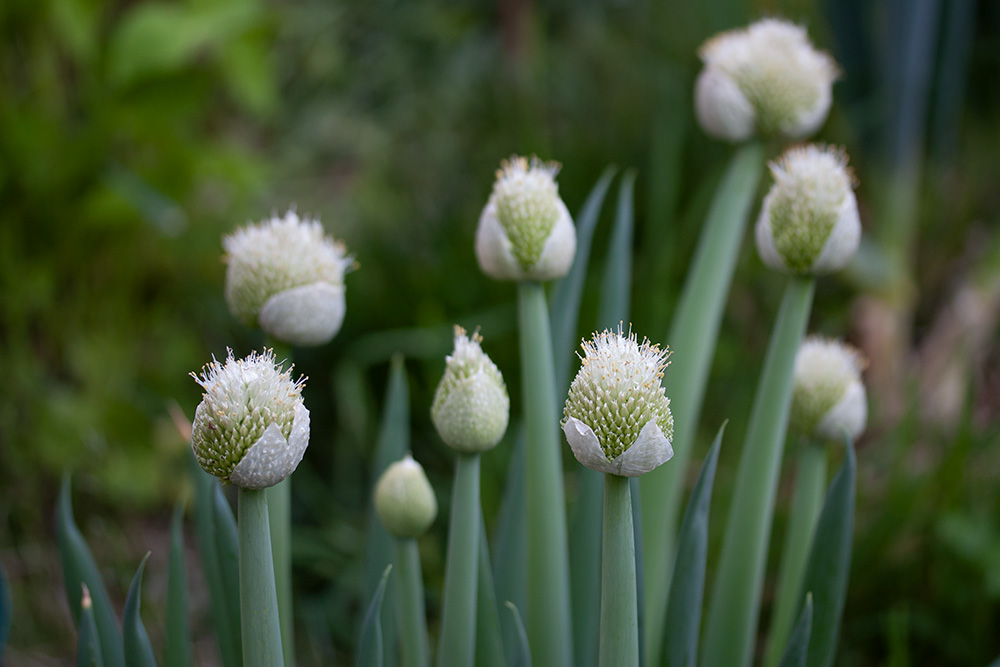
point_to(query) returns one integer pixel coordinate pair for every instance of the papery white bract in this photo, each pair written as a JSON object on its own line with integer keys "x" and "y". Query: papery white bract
{"x": 525, "y": 231}
{"x": 828, "y": 398}
{"x": 617, "y": 418}
{"x": 287, "y": 276}
{"x": 251, "y": 427}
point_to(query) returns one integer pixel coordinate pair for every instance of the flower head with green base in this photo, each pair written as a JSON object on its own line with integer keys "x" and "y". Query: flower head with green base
{"x": 766, "y": 78}
{"x": 525, "y": 232}
{"x": 471, "y": 407}
{"x": 809, "y": 222}
{"x": 252, "y": 426}
{"x": 828, "y": 398}
{"x": 404, "y": 499}
{"x": 287, "y": 276}
{"x": 617, "y": 419}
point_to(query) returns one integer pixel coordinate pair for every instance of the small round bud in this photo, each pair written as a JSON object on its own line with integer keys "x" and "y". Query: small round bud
{"x": 828, "y": 397}
{"x": 471, "y": 406}
{"x": 251, "y": 427}
{"x": 617, "y": 419}
{"x": 809, "y": 222}
{"x": 404, "y": 499}
{"x": 286, "y": 276}
{"x": 525, "y": 232}
{"x": 765, "y": 78}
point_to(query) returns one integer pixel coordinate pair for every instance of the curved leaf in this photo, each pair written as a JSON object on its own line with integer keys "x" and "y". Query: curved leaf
{"x": 370, "y": 648}
{"x": 521, "y": 657}
{"x": 797, "y": 649}
{"x": 138, "y": 650}
{"x": 88, "y": 650}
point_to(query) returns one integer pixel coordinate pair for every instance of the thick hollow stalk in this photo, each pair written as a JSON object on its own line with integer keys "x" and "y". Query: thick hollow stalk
{"x": 279, "y": 504}
{"x": 619, "y": 612}
{"x": 693, "y": 335}
{"x": 410, "y": 605}
{"x": 807, "y": 502}
{"x": 458, "y": 616}
{"x": 548, "y": 618}
{"x": 258, "y": 600}
{"x": 733, "y": 611}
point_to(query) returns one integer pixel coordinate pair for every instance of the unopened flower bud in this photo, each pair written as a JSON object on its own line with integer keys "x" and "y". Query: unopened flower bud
{"x": 809, "y": 222}
{"x": 287, "y": 276}
{"x": 251, "y": 427}
{"x": 525, "y": 232}
{"x": 471, "y": 406}
{"x": 404, "y": 499}
{"x": 828, "y": 397}
{"x": 617, "y": 419}
{"x": 765, "y": 78}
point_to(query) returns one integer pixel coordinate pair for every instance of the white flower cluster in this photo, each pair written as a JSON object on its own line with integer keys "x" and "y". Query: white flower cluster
{"x": 828, "y": 398}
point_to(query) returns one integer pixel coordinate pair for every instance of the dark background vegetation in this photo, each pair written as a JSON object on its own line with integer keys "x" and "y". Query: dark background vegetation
{"x": 133, "y": 135}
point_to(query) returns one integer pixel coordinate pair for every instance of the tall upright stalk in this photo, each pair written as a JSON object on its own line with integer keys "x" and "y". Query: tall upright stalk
{"x": 258, "y": 599}
{"x": 619, "y": 645}
{"x": 458, "y": 616}
{"x": 411, "y": 612}
{"x": 693, "y": 334}
{"x": 548, "y": 618}
{"x": 733, "y": 610}
{"x": 807, "y": 502}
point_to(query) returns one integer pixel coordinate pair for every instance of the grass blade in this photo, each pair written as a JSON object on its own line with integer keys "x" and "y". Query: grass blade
{"x": 798, "y": 642}
{"x": 521, "y": 657}
{"x": 693, "y": 333}
{"x": 830, "y": 563}
{"x": 565, "y": 307}
{"x": 489, "y": 643}
{"x": 370, "y": 649}
{"x": 78, "y": 568}
{"x": 510, "y": 543}
{"x": 687, "y": 589}
{"x": 177, "y": 652}
{"x": 138, "y": 650}
{"x": 230, "y": 650}
{"x": 735, "y": 604}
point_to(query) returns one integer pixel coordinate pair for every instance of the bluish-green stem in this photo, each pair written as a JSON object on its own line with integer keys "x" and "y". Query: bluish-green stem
{"x": 734, "y": 608}
{"x": 619, "y": 645}
{"x": 457, "y": 644}
{"x": 279, "y": 504}
{"x": 410, "y": 601}
{"x": 807, "y": 503}
{"x": 693, "y": 334}
{"x": 258, "y": 599}
{"x": 548, "y": 617}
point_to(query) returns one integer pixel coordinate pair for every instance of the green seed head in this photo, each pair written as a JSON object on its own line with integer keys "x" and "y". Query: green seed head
{"x": 287, "y": 276}
{"x": 809, "y": 222}
{"x": 765, "y": 78}
{"x": 828, "y": 397}
{"x": 252, "y": 426}
{"x": 471, "y": 406}
{"x": 525, "y": 231}
{"x": 404, "y": 499}
{"x": 617, "y": 393}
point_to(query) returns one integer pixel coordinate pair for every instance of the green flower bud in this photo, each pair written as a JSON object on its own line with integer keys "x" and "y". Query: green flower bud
{"x": 809, "y": 222}
{"x": 525, "y": 232}
{"x": 617, "y": 419}
{"x": 404, "y": 499}
{"x": 251, "y": 427}
{"x": 286, "y": 276}
{"x": 765, "y": 78}
{"x": 828, "y": 397}
{"x": 471, "y": 406}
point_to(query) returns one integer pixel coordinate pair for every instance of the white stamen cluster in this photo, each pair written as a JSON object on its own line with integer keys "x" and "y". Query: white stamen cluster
{"x": 617, "y": 418}
{"x": 828, "y": 397}
{"x": 287, "y": 276}
{"x": 251, "y": 427}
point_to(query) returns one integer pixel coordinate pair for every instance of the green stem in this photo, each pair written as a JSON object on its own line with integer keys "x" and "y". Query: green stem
{"x": 258, "y": 600}
{"x": 411, "y": 612}
{"x": 619, "y": 611}
{"x": 548, "y": 618}
{"x": 733, "y": 612}
{"x": 693, "y": 334}
{"x": 279, "y": 504}
{"x": 458, "y": 615}
{"x": 807, "y": 502}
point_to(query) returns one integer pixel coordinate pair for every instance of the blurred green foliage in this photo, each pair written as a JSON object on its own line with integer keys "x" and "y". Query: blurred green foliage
{"x": 133, "y": 135}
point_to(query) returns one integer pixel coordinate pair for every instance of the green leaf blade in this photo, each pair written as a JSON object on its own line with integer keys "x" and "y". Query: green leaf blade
{"x": 177, "y": 652}
{"x": 797, "y": 649}
{"x": 138, "y": 650}
{"x": 370, "y": 648}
